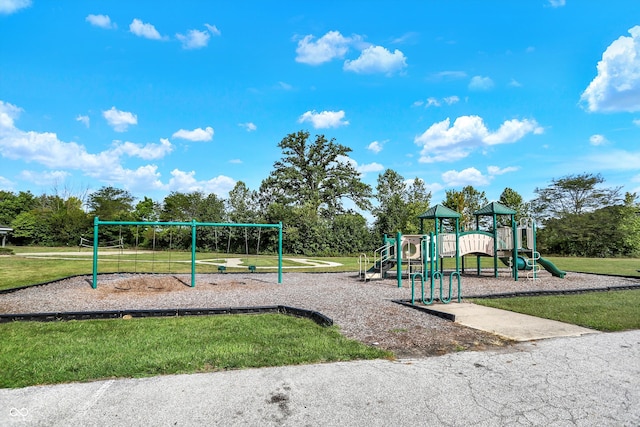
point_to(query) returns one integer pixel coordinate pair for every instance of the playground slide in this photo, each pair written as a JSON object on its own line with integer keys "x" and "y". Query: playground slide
{"x": 551, "y": 268}
{"x": 545, "y": 263}
{"x": 522, "y": 263}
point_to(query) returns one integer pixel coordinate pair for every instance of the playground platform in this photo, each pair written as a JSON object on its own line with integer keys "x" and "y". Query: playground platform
{"x": 510, "y": 325}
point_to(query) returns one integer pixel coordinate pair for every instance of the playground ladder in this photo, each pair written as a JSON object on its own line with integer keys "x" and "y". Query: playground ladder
{"x": 380, "y": 257}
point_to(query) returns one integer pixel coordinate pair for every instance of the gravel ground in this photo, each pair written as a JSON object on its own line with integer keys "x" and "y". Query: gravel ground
{"x": 363, "y": 311}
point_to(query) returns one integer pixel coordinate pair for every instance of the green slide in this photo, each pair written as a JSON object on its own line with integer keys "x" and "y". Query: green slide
{"x": 551, "y": 268}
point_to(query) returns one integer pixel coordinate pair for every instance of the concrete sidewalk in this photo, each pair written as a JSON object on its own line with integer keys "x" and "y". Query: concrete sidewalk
{"x": 591, "y": 380}
{"x": 514, "y": 326}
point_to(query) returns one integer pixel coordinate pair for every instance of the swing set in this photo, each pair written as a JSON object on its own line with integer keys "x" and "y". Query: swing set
{"x": 193, "y": 224}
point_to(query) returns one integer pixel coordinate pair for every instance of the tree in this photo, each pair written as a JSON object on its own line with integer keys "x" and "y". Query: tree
{"x": 146, "y": 210}
{"x": 399, "y": 204}
{"x": 512, "y": 199}
{"x": 418, "y": 200}
{"x": 391, "y": 193}
{"x": 11, "y": 205}
{"x": 318, "y": 175}
{"x": 465, "y": 202}
{"x": 111, "y": 204}
{"x": 574, "y": 194}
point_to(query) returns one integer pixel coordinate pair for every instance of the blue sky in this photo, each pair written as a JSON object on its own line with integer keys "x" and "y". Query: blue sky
{"x": 158, "y": 96}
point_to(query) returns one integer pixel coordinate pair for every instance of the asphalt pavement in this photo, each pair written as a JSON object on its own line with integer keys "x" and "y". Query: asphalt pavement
{"x": 588, "y": 380}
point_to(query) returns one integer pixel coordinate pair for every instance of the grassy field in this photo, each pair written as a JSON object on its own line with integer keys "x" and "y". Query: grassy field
{"x": 54, "y": 352}
{"x": 604, "y": 311}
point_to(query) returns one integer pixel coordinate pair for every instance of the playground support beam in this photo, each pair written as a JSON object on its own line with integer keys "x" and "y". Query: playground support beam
{"x": 399, "y": 257}
{"x": 193, "y": 224}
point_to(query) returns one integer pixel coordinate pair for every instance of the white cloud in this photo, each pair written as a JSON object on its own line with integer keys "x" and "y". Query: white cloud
{"x": 442, "y": 142}
{"x": 328, "y": 47}
{"x": 617, "y": 85}
{"x": 102, "y": 21}
{"x": 495, "y": 170}
{"x": 235, "y": 161}
{"x": 8, "y": 113}
{"x": 250, "y": 127}
{"x": 363, "y": 169}
{"x": 44, "y": 178}
{"x": 515, "y": 83}
{"x": 377, "y": 59}
{"x": 512, "y": 131}
{"x": 285, "y": 86}
{"x": 620, "y": 160}
{"x": 432, "y": 102}
{"x": 142, "y": 29}
{"x": 185, "y": 182}
{"x": 375, "y": 146}
{"x": 557, "y": 3}
{"x": 370, "y": 167}
{"x": 6, "y": 184}
{"x": 7, "y": 7}
{"x": 449, "y": 75}
{"x": 324, "y": 119}
{"x": 213, "y": 29}
{"x": 469, "y": 176}
{"x": 194, "y": 39}
{"x": 481, "y": 83}
{"x": 120, "y": 120}
{"x": 597, "y": 140}
{"x": 636, "y": 122}
{"x": 197, "y": 134}
{"x": 84, "y": 120}
{"x": 146, "y": 152}
{"x": 62, "y": 157}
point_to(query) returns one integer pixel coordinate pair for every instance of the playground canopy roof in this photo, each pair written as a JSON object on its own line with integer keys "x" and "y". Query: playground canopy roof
{"x": 439, "y": 211}
{"x": 494, "y": 208}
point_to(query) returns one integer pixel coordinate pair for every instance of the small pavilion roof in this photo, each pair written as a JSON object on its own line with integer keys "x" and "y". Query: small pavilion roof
{"x": 494, "y": 208}
{"x": 439, "y": 211}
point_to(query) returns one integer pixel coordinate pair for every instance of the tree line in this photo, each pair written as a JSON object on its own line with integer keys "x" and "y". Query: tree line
{"x": 317, "y": 193}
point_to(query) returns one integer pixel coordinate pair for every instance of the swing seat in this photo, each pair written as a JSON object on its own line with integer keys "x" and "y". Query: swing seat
{"x": 222, "y": 269}
{"x": 252, "y": 268}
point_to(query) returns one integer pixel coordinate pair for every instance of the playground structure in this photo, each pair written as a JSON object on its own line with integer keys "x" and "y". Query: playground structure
{"x": 421, "y": 256}
{"x": 193, "y": 225}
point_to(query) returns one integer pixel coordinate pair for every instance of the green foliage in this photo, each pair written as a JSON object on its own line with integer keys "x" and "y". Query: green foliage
{"x": 399, "y": 204}
{"x": 58, "y": 352}
{"x": 111, "y": 204}
{"x": 608, "y": 232}
{"x": 512, "y": 199}
{"x": 11, "y": 205}
{"x": 465, "y": 202}
{"x": 318, "y": 175}
{"x": 574, "y": 195}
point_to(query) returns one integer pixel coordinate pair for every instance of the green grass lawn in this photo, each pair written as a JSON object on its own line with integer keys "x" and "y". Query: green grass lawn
{"x": 55, "y": 352}
{"x": 604, "y": 311}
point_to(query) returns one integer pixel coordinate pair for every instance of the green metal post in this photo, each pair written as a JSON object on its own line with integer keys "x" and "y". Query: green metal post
{"x": 534, "y": 248}
{"x": 514, "y": 228}
{"x": 495, "y": 246}
{"x": 94, "y": 283}
{"x": 193, "y": 254}
{"x": 399, "y": 258}
{"x": 280, "y": 252}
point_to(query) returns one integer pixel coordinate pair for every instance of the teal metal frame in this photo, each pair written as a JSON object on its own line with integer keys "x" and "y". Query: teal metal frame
{"x": 193, "y": 224}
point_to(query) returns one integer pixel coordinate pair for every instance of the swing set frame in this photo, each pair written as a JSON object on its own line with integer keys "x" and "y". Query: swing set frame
{"x": 193, "y": 224}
